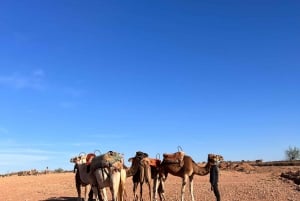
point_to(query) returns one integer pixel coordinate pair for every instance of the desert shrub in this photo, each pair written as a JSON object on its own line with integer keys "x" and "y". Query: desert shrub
{"x": 59, "y": 170}
{"x": 293, "y": 153}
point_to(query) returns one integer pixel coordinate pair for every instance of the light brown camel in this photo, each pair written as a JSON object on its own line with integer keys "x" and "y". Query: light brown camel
{"x": 185, "y": 167}
{"x": 107, "y": 170}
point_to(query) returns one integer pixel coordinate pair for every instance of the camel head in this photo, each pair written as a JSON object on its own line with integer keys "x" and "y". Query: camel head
{"x": 138, "y": 161}
{"x": 139, "y": 156}
{"x": 213, "y": 158}
{"x": 80, "y": 159}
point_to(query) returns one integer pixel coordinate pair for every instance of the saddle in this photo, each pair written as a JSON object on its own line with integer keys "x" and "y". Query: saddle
{"x": 89, "y": 158}
{"x": 174, "y": 158}
{"x": 109, "y": 159}
{"x": 154, "y": 162}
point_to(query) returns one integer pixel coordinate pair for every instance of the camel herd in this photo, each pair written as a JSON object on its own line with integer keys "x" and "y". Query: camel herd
{"x": 96, "y": 173}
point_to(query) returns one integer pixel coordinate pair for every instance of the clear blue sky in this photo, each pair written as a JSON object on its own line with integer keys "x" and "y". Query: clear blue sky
{"x": 209, "y": 76}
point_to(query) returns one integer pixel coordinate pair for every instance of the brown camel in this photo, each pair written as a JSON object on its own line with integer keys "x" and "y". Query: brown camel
{"x": 81, "y": 177}
{"x": 143, "y": 169}
{"x": 141, "y": 172}
{"x": 185, "y": 167}
{"x": 157, "y": 177}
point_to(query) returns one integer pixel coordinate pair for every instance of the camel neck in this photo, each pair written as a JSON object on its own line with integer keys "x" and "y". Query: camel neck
{"x": 132, "y": 170}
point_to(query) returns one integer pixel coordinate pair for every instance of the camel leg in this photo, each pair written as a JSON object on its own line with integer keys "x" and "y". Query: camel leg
{"x": 149, "y": 187}
{"x": 184, "y": 181}
{"x": 98, "y": 181}
{"x": 115, "y": 193}
{"x": 114, "y": 186}
{"x": 192, "y": 187}
{"x": 141, "y": 191}
{"x": 155, "y": 187}
{"x": 161, "y": 191}
{"x": 135, "y": 185}
{"x": 158, "y": 188}
{"x": 148, "y": 181}
{"x": 141, "y": 180}
{"x": 103, "y": 194}
{"x": 87, "y": 189}
{"x": 91, "y": 194}
{"x": 116, "y": 190}
{"x": 96, "y": 193}
{"x": 78, "y": 188}
{"x": 122, "y": 193}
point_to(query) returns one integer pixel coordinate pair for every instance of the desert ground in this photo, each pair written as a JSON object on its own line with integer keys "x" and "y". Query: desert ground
{"x": 258, "y": 184}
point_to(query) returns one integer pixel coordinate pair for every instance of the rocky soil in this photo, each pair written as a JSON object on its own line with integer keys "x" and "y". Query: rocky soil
{"x": 257, "y": 184}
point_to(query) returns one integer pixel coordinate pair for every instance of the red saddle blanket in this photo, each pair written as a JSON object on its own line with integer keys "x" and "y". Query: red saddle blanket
{"x": 89, "y": 158}
{"x": 154, "y": 162}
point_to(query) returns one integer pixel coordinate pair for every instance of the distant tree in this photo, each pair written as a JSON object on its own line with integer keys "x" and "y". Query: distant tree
{"x": 59, "y": 170}
{"x": 293, "y": 153}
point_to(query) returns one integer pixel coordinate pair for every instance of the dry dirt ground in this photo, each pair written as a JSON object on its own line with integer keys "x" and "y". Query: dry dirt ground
{"x": 262, "y": 184}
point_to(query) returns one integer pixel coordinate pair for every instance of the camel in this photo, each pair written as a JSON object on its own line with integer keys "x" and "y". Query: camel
{"x": 185, "y": 167}
{"x": 145, "y": 169}
{"x": 158, "y": 183}
{"x": 141, "y": 174}
{"x": 81, "y": 176}
{"x": 107, "y": 170}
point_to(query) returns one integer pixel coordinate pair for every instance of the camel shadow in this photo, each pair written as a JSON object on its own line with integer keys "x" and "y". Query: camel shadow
{"x": 63, "y": 198}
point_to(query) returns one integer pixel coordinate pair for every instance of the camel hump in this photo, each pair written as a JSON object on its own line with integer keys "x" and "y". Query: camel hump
{"x": 176, "y": 157}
